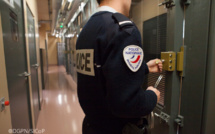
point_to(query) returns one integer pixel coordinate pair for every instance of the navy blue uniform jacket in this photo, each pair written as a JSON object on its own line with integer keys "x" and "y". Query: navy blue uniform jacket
{"x": 110, "y": 94}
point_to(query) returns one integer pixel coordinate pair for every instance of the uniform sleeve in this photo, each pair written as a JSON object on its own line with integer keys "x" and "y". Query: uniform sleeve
{"x": 125, "y": 97}
{"x": 146, "y": 68}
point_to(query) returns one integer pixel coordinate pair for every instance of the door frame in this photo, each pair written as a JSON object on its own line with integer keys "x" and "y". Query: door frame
{"x": 25, "y": 6}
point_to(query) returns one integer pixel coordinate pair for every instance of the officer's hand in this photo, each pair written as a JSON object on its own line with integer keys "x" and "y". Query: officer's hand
{"x": 155, "y": 91}
{"x": 155, "y": 66}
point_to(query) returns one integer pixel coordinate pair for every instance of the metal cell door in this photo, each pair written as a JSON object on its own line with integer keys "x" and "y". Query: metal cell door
{"x": 68, "y": 55}
{"x": 180, "y": 28}
{"x": 61, "y": 54}
{"x": 162, "y": 31}
{"x": 157, "y": 25}
{"x": 33, "y": 63}
{"x": 16, "y": 64}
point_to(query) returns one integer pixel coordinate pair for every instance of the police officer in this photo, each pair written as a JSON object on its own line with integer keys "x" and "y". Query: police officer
{"x": 111, "y": 70}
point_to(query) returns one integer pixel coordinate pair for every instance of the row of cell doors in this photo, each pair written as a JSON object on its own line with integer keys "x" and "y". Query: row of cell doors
{"x": 17, "y": 58}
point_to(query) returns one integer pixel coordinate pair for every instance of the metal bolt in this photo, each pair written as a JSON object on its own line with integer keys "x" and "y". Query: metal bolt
{"x": 170, "y": 55}
{"x": 170, "y": 67}
{"x": 170, "y": 61}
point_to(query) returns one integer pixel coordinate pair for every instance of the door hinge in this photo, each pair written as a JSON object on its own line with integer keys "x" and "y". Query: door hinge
{"x": 180, "y": 120}
{"x": 185, "y": 2}
{"x": 167, "y": 3}
{"x": 181, "y": 60}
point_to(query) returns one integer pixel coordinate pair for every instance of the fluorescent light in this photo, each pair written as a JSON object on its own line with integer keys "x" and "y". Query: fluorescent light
{"x": 70, "y": 0}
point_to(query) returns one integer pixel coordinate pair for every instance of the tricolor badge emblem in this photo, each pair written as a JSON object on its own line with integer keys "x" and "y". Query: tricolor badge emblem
{"x": 133, "y": 56}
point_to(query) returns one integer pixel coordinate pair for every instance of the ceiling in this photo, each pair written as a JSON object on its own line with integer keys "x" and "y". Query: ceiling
{"x": 45, "y": 11}
{"x": 43, "y": 8}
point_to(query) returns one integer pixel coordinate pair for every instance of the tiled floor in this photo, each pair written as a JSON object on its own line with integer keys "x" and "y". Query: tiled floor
{"x": 61, "y": 112}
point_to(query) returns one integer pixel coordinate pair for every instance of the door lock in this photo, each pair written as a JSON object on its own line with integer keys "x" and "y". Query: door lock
{"x": 169, "y": 60}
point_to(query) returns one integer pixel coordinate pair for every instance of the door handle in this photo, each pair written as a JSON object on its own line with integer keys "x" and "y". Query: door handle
{"x": 35, "y": 66}
{"x": 25, "y": 74}
{"x": 163, "y": 116}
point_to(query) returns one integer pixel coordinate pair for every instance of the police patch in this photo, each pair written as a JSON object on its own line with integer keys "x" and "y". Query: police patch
{"x": 84, "y": 61}
{"x": 133, "y": 56}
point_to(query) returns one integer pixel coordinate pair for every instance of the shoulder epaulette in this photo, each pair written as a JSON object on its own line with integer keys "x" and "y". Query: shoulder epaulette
{"x": 122, "y": 20}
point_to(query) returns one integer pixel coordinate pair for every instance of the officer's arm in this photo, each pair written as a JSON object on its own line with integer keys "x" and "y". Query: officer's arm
{"x": 125, "y": 96}
{"x": 146, "y": 68}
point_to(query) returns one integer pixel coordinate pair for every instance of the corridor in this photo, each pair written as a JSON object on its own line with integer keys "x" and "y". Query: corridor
{"x": 61, "y": 112}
